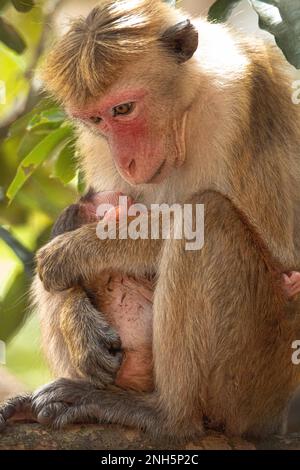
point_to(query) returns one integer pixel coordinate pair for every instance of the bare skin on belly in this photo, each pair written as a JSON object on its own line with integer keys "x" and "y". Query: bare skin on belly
{"x": 128, "y": 302}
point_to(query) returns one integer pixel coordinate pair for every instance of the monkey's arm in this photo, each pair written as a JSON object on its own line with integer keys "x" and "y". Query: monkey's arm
{"x": 79, "y": 256}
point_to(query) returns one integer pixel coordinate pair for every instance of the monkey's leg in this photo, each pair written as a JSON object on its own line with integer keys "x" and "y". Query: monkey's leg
{"x": 94, "y": 347}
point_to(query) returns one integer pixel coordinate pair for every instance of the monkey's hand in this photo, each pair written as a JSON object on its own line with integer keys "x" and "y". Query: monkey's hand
{"x": 94, "y": 346}
{"x": 76, "y": 258}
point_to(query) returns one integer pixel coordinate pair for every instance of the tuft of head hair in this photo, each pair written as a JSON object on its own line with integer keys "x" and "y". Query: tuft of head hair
{"x": 91, "y": 55}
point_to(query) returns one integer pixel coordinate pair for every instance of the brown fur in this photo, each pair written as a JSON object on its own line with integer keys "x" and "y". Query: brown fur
{"x": 222, "y": 329}
{"x": 94, "y": 51}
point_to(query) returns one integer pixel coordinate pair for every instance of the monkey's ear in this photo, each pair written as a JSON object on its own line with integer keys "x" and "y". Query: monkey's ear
{"x": 181, "y": 39}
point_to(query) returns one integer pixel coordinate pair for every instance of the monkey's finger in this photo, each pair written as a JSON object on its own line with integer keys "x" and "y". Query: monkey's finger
{"x": 95, "y": 373}
{"x": 106, "y": 335}
{"x": 112, "y": 340}
{"x": 101, "y": 367}
{"x": 47, "y": 415}
{"x": 111, "y": 362}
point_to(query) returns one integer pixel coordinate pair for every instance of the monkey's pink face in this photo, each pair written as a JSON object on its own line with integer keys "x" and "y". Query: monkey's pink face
{"x": 141, "y": 134}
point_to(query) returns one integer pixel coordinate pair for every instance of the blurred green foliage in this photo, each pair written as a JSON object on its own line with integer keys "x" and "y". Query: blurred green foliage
{"x": 37, "y": 178}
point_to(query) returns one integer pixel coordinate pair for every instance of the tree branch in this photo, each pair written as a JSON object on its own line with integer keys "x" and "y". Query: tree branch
{"x": 23, "y": 254}
{"x": 108, "y": 437}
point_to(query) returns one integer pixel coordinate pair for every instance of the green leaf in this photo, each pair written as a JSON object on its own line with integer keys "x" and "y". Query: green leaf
{"x": 37, "y": 127}
{"x": 29, "y": 142}
{"x": 49, "y": 119}
{"x": 23, "y": 5}
{"x": 20, "y": 125}
{"x": 3, "y": 4}
{"x": 221, "y": 10}
{"x": 10, "y": 37}
{"x": 65, "y": 165}
{"x": 282, "y": 19}
{"x": 37, "y": 156}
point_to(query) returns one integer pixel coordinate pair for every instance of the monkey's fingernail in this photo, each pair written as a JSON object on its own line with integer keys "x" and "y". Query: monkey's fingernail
{"x": 44, "y": 417}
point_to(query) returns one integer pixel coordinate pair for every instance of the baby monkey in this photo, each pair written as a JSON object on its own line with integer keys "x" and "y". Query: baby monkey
{"x": 124, "y": 301}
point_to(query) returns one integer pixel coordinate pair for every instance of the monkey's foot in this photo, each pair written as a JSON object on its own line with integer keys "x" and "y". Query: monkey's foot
{"x": 15, "y": 408}
{"x": 57, "y": 404}
{"x": 291, "y": 284}
{"x": 64, "y": 402}
{"x": 73, "y": 401}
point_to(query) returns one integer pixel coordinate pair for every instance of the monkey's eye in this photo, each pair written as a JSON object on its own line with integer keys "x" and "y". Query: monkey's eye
{"x": 95, "y": 119}
{"x": 123, "y": 109}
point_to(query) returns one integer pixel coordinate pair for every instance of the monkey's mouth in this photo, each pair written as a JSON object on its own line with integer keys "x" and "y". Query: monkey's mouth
{"x": 157, "y": 173}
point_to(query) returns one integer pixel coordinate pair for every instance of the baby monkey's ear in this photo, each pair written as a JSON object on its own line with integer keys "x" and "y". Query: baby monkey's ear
{"x": 181, "y": 39}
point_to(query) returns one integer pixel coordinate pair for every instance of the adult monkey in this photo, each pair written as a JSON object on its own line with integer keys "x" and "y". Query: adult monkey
{"x": 222, "y": 350}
